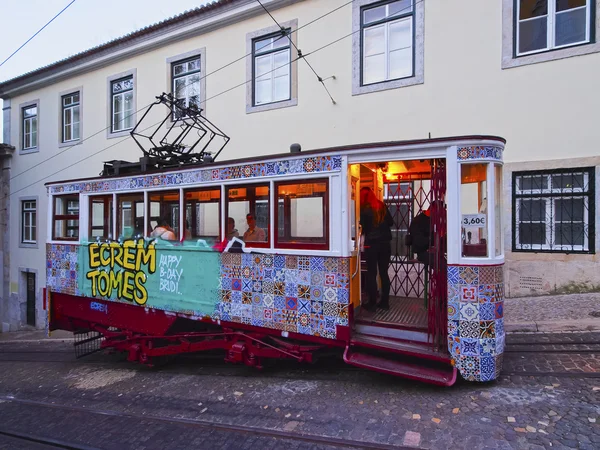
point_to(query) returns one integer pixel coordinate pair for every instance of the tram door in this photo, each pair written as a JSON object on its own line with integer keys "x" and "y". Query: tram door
{"x": 355, "y": 263}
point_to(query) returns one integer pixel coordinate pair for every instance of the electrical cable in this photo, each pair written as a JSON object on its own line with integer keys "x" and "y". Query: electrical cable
{"x": 38, "y": 32}
{"x": 298, "y": 51}
{"x": 210, "y": 98}
{"x": 201, "y": 78}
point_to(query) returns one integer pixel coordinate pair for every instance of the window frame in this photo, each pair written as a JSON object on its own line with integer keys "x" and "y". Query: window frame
{"x": 130, "y": 196}
{"x": 22, "y": 132}
{"x": 251, "y": 38}
{"x": 551, "y": 15}
{"x": 70, "y": 107}
{"x": 110, "y": 132}
{"x": 509, "y": 39}
{"x": 66, "y": 217}
{"x": 303, "y": 245}
{"x": 287, "y": 47}
{"x": 418, "y": 46}
{"x": 108, "y": 214}
{"x": 265, "y": 183}
{"x": 33, "y": 222}
{"x": 174, "y": 78}
{"x": 550, "y": 223}
{"x": 193, "y": 215}
{"x": 385, "y": 21}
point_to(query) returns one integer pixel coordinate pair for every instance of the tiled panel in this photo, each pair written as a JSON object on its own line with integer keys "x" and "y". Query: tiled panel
{"x": 476, "y": 320}
{"x": 301, "y": 294}
{"x": 61, "y": 268}
{"x": 314, "y": 164}
{"x": 479, "y": 152}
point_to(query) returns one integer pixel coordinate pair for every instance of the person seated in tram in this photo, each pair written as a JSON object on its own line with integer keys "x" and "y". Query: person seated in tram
{"x": 164, "y": 231}
{"x": 231, "y": 230}
{"x": 254, "y": 233}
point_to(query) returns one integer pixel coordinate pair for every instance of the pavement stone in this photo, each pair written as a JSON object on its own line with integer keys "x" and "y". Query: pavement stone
{"x": 327, "y": 399}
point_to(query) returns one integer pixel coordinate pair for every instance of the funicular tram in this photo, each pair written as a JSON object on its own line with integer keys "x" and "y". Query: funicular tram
{"x": 264, "y": 258}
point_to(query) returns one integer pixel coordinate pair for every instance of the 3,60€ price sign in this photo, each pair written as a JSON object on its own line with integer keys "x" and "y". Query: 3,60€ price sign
{"x": 474, "y": 220}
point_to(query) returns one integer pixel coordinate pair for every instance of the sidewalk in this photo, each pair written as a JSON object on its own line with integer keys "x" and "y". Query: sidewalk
{"x": 552, "y": 313}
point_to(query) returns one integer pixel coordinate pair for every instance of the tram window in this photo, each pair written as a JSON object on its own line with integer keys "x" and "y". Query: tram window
{"x": 474, "y": 207}
{"x": 130, "y": 215}
{"x": 248, "y": 206}
{"x": 101, "y": 217}
{"x": 163, "y": 214}
{"x": 302, "y": 215}
{"x": 66, "y": 217}
{"x": 203, "y": 214}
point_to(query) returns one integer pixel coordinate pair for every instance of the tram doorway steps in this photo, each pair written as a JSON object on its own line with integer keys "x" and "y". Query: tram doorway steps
{"x": 405, "y": 366}
{"x": 86, "y": 343}
{"x": 413, "y": 349}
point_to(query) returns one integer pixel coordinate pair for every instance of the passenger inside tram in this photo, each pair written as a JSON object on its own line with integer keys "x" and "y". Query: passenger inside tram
{"x": 254, "y": 233}
{"x": 164, "y": 231}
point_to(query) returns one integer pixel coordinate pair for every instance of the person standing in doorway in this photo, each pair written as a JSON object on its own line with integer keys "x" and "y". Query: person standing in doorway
{"x": 376, "y": 222}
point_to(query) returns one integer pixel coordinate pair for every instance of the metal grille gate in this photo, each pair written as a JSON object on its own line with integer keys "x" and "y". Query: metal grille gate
{"x": 406, "y": 198}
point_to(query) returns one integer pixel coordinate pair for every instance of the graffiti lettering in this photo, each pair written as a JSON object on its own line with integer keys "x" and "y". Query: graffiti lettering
{"x": 170, "y": 274}
{"x": 119, "y": 269}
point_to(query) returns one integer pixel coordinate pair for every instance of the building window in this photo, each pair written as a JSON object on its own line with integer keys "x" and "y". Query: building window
{"x": 28, "y": 221}
{"x": 271, "y": 66}
{"x": 553, "y": 211}
{"x": 70, "y": 117}
{"x": 248, "y": 206}
{"x": 545, "y": 25}
{"x": 186, "y": 83}
{"x": 121, "y": 104}
{"x": 30, "y": 127}
{"x": 302, "y": 215}
{"x": 101, "y": 217}
{"x": 203, "y": 214}
{"x": 66, "y": 217}
{"x": 387, "y": 41}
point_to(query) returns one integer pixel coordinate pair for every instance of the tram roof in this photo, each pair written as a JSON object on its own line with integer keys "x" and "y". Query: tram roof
{"x": 339, "y": 149}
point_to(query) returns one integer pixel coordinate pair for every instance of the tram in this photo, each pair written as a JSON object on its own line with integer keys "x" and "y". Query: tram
{"x": 264, "y": 258}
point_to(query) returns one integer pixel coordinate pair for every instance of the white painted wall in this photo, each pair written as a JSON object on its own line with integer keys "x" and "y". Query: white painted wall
{"x": 545, "y": 111}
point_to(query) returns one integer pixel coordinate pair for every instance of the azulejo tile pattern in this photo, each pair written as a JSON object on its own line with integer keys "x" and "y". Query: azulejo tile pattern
{"x": 61, "y": 268}
{"x": 479, "y": 152}
{"x": 475, "y": 320}
{"x": 245, "y": 171}
{"x": 306, "y": 294}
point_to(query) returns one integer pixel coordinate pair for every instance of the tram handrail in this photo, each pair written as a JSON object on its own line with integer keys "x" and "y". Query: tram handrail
{"x": 359, "y": 237}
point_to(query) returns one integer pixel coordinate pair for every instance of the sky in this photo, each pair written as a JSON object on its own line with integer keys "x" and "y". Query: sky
{"x": 85, "y": 24}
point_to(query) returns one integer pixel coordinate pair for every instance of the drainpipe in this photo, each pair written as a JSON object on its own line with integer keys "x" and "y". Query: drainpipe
{"x": 6, "y": 152}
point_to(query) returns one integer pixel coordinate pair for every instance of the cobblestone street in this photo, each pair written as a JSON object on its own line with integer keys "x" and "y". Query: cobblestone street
{"x": 547, "y": 397}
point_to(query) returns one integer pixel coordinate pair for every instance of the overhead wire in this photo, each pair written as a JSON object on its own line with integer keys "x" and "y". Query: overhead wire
{"x": 298, "y": 51}
{"x": 185, "y": 85}
{"x": 214, "y": 96}
{"x": 38, "y": 32}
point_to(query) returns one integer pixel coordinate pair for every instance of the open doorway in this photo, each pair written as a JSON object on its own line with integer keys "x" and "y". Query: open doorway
{"x": 418, "y": 296}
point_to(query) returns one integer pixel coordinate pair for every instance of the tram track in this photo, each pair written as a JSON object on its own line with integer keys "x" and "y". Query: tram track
{"x": 41, "y": 442}
{"x": 207, "y": 425}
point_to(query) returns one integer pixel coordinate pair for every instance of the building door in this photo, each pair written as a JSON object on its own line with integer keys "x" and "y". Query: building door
{"x": 30, "y": 298}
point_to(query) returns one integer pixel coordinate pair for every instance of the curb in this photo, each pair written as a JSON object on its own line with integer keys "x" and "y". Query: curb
{"x": 553, "y": 326}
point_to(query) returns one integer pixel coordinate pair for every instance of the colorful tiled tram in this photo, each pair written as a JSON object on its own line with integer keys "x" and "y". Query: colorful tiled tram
{"x": 291, "y": 286}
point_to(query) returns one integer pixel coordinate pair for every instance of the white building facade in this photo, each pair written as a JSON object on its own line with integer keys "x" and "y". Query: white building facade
{"x": 524, "y": 70}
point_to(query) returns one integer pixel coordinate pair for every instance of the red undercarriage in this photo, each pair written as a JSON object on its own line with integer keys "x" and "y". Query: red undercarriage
{"x": 147, "y": 334}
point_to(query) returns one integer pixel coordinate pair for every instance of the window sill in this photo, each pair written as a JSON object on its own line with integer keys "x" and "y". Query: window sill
{"x": 69, "y": 143}
{"x": 29, "y": 245}
{"x": 550, "y": 55}
{"x": 29, "y": 150}
{"x": 385, "y": 85}
{"x": 271, "y": 106}
{"x": 117, "y": 134}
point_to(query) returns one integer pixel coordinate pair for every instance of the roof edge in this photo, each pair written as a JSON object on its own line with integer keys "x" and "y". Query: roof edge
{"x": 451, "y": 140}
{"x": 206, "y": 18}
